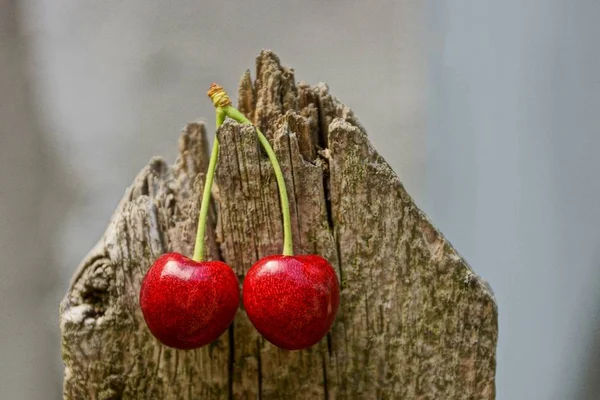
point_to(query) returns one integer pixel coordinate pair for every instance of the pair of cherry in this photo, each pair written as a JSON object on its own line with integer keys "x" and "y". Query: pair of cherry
{"x": 292, "y": 300}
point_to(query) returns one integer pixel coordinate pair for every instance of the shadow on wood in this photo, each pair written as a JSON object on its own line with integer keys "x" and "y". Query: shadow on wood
{"x": 415, "y": 321}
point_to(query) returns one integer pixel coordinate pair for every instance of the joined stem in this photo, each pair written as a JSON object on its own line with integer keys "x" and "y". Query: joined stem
{"x": 222, "y": 102}
{"x": 204, "y": 206}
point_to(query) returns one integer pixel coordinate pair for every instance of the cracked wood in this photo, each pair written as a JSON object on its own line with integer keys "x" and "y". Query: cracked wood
{"x": 415, "y": 321}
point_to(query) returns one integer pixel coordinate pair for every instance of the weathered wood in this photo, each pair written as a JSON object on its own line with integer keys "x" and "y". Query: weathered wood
{"x": 415, "y": 322}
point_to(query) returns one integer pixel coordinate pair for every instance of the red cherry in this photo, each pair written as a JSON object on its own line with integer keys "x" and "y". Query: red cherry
{"x": 188, "y": 304}
{"x": 292, "y": 300}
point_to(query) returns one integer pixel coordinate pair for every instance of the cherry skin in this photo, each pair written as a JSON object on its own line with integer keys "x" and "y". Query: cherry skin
{"x": 291, "y": 300}
{"x": 188, "y": 304}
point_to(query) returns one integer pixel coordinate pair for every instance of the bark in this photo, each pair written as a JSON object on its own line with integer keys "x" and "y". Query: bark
{"x": 415, "y": 321}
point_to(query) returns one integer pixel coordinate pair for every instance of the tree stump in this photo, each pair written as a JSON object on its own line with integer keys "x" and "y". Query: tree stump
{"x": 415, "y": 322}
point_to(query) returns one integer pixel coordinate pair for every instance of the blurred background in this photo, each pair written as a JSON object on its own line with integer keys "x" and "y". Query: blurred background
{"x": 492, "y": 120}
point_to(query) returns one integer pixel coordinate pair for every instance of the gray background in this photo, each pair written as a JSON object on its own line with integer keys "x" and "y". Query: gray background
{"x": 488, "y": 111}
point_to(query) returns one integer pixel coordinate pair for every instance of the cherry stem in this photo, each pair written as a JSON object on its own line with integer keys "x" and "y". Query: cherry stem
{"x": 288, "y": 246}
{"x": 222, "y": 101}
{"x": 205, "y": 205}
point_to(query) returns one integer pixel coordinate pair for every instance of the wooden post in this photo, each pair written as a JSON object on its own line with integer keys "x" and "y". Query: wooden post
{"x": 415, "y": 321}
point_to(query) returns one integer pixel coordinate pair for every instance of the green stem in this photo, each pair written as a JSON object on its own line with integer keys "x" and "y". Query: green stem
{"x": 288, "y": 246}
{"x": 204, "y": 206}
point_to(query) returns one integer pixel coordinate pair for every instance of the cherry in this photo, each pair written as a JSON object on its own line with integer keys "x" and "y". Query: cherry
{"x": 188, "y": 304}
{"x": 292, "y": 300}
